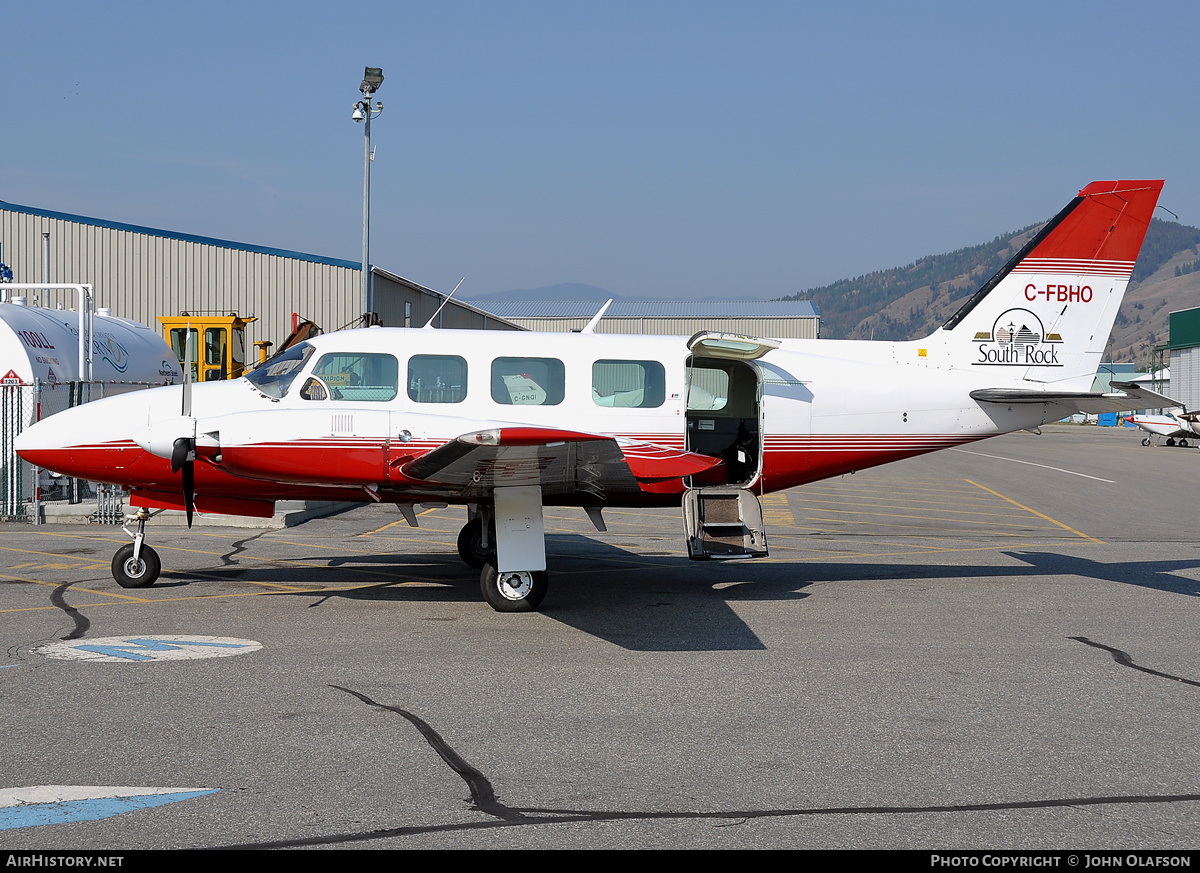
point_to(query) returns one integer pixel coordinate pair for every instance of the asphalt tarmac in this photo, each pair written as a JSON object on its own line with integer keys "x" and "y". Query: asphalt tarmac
{"x": 996, "y": 647}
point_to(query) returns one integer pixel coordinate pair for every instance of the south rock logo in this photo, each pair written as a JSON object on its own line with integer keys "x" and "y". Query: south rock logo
{"x": 1017, "y": 339}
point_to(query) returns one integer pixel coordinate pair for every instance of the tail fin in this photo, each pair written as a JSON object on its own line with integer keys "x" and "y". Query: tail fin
{"x": 1047, "y": 315}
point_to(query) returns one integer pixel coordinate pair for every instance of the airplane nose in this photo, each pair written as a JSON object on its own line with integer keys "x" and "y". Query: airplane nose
{"x": 75, "y": 441}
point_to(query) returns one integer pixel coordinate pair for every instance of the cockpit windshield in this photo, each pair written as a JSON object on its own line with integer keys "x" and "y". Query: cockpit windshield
{"x": 274, "y": 377}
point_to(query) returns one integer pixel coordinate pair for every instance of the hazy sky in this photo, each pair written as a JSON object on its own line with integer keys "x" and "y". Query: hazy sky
{"x": 656, "y": 149}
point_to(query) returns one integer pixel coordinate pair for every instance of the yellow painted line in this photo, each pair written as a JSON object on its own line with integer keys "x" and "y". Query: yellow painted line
{"x": 115, "y": 594}
{"x": 777, "y": 510}
{"x": 847, "y": 512}
{"x": 1035, "y": 512}
{"x": 398, "y": 521}
{"x": 838, "y": 556}
{"x": 46, "y": 554}
{"x": 868, "y": 506}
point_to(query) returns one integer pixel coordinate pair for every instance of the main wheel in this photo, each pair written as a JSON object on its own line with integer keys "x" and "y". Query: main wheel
{"x": 141, "y": 573}
{"x": 515, "y": 591}
{"x": 1183, "y": 444}
{"x": 1170, "y": 441}
{"x": 470, "y": 544}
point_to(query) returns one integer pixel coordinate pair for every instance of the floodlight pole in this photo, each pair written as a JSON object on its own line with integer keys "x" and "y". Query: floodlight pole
{"x": 372, "y": 79}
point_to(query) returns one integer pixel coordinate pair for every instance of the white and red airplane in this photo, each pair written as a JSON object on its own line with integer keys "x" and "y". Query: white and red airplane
{"x": 1177, "y": 425}
{"x": 508, "y": 422}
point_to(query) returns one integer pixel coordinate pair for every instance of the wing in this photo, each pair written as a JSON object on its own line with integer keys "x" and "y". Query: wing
{"x": 1128, "y": 397}
{"x": 560, "y": 461}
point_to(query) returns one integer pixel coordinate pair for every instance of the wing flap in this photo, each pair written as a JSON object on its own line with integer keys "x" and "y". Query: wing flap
{"x": 559, "y": 461}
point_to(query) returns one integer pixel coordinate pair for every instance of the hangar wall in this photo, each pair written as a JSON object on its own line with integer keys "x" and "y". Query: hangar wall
{"x": 142, "y": 272}
{"x": 778, "y": 319}
{"x": 1185, "y": 357}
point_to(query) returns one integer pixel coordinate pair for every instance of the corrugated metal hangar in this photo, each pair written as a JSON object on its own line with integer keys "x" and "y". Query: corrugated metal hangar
{"x": 1185, "y": 357}
{"x": 143, "y": 272}
{"x": 778, "y": 319}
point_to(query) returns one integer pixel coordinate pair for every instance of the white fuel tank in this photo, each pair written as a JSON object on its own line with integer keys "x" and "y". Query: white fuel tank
{"x": 43, "y": 344}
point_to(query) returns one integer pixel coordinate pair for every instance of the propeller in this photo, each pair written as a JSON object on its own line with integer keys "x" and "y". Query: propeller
{"x": 183, "y": 451}
{"x": 174, "y": 438}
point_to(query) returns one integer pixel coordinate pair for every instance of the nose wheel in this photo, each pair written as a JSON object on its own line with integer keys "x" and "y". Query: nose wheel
{"x": 136, "y": 565}
{"x": 135, "y": 571}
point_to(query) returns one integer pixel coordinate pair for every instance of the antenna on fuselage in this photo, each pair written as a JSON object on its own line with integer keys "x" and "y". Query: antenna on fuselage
{"x": 429, "y": 324}
{"x": 590, "y": 327}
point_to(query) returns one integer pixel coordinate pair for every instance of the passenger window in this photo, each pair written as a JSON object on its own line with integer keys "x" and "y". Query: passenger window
{"x": 352, "y": 377}
{"x": 437, "y": 378}
{"x": 528, "y": 381}
{"x": 640, "y": 384}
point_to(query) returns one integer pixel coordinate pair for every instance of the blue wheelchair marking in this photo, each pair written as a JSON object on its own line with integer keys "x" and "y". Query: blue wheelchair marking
{"x": 151, "y": 646}
{"x": 38, "y": 814}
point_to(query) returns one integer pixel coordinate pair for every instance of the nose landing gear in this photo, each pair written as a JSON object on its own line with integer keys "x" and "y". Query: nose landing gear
{"x": 136, "y": 565}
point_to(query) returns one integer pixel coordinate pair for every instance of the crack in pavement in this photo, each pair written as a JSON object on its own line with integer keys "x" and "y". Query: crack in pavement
{"x": 1125, "y": 660}
{"x": 484, "y": 798}
{"x": 82, "y": 622}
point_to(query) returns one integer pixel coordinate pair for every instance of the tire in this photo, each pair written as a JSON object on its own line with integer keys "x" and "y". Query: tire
{"x": 470, "y": 544}
{"x": 1146, "y": 441}
{"x": 141, "y": 574}
{"x": 504, "y": 597}
{"x": 1183, "y": 444}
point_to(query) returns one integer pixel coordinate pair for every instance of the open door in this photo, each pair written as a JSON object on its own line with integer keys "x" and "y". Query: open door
{"x": 724, "y": 417}
{"x": 722, "y": 515}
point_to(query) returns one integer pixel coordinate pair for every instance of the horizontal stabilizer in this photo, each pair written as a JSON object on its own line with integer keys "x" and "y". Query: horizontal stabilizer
{"x": 1128, "y": 397}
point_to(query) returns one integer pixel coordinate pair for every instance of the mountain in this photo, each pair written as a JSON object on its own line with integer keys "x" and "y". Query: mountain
{"x": 912, "y": 301}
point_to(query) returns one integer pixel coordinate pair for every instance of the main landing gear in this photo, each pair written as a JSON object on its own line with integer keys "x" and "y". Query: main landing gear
{"x": 506, "y": 541}
{"x": 1170, "y": 441}
{"x": 136, "y": 565}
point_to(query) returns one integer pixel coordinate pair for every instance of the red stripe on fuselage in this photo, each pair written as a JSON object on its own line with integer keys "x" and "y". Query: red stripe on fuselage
{"x": 339, "y": 466}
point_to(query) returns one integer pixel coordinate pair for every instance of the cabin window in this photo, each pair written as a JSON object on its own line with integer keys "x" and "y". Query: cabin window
{"x": 437, "y": 378}
{"x": 528, "y": 381}
{"x": 354, "y": 377}
{"x": 629, "y": 384}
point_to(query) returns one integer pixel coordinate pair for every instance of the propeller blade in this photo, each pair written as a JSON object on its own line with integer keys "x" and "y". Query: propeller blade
{"x": 183, "y": 457}
{"x": 189, "y": 489}
{"x": 183, "y": 451}
{"x": 189, "y": 347}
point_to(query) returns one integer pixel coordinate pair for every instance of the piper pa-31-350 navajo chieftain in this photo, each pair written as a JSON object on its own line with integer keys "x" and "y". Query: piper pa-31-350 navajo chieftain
{"x": 508, "y": 422}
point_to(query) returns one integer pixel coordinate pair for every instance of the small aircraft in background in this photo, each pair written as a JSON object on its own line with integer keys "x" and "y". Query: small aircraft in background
{"x": 508, "y": 422}
{"x": 1176, "y": 426}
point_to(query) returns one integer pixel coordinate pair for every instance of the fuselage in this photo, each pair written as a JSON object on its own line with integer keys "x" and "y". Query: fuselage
{"x": 342, "y": 415}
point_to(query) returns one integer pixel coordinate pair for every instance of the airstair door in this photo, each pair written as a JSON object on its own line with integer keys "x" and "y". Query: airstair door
{"x": 723, "y": 523}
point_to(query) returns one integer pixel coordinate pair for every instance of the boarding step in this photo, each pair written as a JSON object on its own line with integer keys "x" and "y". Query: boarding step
{"x": 723, "y": 523}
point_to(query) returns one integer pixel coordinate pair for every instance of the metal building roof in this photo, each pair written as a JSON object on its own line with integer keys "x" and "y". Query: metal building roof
{"x": 649, "y": 308}
{"x": 186, "y": 237}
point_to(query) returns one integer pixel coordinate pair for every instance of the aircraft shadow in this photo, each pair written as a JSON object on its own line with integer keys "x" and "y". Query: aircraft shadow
{"x": 645, "y": 602}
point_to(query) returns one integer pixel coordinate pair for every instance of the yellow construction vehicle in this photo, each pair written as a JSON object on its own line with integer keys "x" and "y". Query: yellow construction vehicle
{"x": 219, "y": 342}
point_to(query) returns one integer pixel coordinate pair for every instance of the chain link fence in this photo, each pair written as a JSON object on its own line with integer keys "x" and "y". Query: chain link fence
{"x": 24, "y": 488}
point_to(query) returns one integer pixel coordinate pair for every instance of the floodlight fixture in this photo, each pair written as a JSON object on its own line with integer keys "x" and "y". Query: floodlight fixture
{"x": 372, "y": 79}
